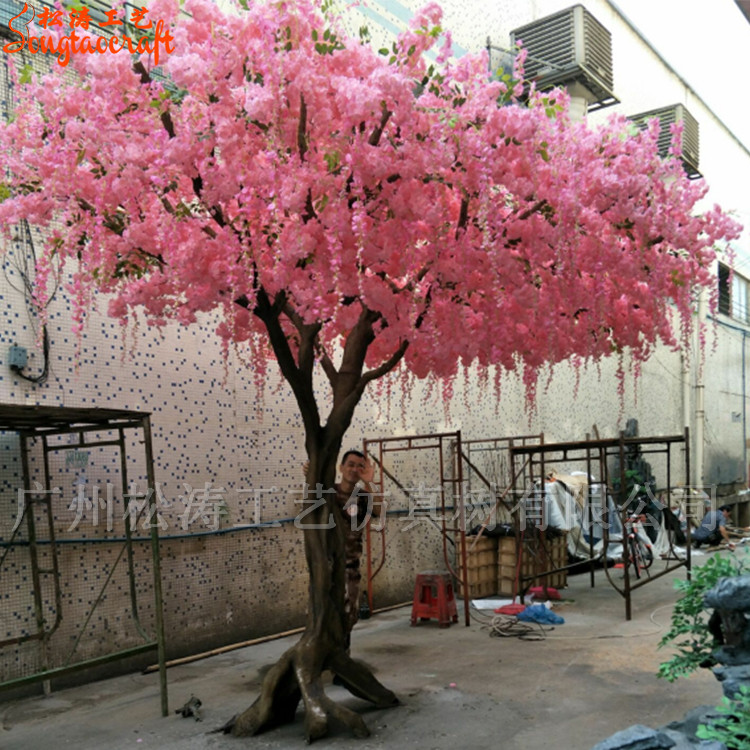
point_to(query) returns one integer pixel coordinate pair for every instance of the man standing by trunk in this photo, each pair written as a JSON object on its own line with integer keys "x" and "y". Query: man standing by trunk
{"x": 358, "y": 506}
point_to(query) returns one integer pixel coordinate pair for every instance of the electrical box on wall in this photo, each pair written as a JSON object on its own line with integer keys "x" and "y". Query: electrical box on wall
{"x": 17, "y": 357}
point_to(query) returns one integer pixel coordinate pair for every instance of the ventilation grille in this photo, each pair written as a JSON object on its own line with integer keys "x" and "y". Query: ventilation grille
{"x": 566, "y": 48}
{"x": 668, "y": 116}
{"x": 39, "y": 64}
{"x": 8, "y": 10}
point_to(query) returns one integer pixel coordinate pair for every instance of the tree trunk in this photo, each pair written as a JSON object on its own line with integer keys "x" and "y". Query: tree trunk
{"x": 323, "y": 646}
{"x": 298, "y": 675}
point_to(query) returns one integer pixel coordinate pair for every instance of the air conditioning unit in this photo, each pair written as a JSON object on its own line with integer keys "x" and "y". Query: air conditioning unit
{"x": 690, "y": 134}
{"x": 571, "y": 49}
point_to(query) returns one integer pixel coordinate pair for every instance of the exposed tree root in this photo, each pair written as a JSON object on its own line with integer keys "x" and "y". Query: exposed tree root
{"x": 298, "y": 676}
{"x": 298, "y": 673}
{"x": 360, "y": 681}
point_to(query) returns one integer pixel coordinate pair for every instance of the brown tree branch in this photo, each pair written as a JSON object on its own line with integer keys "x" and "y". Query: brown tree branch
{"x": 310, "y": 212}
{"x": 168, "y": 124}
{"x": 145, "y": 77}
{"x": 529, "y": 212}
{"x": 374, "y": 138}
{"x": 118, "y": 228}
{"x": 308, "y": 335}
{"x": 410, "y": 286}
{"x": 463, "y": 216}
{"x": 170, "y": 209}
{"x": 326, "y": 363}
{"x": 386, "y": 366}
{"x": 302, "y": 128}
{"x": 299, "y": 380}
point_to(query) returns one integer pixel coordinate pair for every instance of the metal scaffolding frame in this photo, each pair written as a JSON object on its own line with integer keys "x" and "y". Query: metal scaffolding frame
{"x": 40, "y": 423}
{"x": 500, "y": 485}
{"x": 538, "y": 458}
{"x": 452, "y": 527}
{"x": 457, "y": 467}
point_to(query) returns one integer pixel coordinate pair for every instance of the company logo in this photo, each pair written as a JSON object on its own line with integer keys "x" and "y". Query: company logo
{"x": 151, "y": 37}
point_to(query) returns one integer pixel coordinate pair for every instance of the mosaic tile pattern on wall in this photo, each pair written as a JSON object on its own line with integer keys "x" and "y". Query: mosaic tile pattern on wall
{"x": 212, "y": 441}
{"x": 228, "y": 459}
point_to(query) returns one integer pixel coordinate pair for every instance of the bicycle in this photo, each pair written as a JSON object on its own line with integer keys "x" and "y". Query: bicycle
{"x": 640, "y": 551}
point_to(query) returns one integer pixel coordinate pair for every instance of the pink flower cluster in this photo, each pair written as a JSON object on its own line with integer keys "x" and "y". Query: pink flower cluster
{"x": 279, "y": 156}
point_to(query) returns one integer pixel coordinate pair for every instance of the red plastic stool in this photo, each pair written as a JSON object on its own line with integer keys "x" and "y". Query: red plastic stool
{"x": 433, "y": 598}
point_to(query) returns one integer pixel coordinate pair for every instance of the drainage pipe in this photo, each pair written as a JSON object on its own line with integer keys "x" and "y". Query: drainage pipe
{"x": 700, "y": 403}
{"x": 686, "y": 355}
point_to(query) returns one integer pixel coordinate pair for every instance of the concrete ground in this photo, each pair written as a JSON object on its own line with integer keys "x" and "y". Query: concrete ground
{"x": 460, "y": 687}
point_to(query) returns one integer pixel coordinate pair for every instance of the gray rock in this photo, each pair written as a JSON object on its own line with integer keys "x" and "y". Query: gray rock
{"x": 737, "y": 672}
{"x": 637, "y": 737}
{"x": 733, "y": 678}
{"x": 682, "y": 742}
{"x": 729, "y": 594}
{"x": 732, "y": 656}
{"x": 690, "y": 722}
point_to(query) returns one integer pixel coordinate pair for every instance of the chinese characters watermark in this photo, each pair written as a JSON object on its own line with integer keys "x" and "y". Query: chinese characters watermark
{"x": 208, "y": 506}
{"x": 153, "y": 37}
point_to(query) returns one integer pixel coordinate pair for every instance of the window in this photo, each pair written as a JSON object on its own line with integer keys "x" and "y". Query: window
{"x": 734, "y": 291}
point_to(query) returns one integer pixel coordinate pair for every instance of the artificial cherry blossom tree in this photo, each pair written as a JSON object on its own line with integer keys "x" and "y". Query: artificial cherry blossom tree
{"x": 358, "y": 211}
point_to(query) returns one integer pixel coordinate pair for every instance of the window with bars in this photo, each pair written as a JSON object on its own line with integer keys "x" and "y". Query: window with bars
{"x": 734, "y": 291}
{"x": 39, "y": 62}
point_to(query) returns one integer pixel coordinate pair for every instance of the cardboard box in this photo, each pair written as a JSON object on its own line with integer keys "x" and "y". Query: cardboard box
{"x": 481, "y": 567}
{"x": 537, "y": 558}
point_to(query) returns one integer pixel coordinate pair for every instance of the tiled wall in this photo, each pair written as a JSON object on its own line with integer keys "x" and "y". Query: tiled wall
{"x": 213, "y": 432}
{"x": 215, "y": 439}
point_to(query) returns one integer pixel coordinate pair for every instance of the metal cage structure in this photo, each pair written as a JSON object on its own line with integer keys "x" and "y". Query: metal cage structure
{"x": 433, "y": 494}
{"x": 444, "y": 481}
{"x": 594, "y": 457}
{"x": 504, "y": 479}
{"x": 75, "y": 598}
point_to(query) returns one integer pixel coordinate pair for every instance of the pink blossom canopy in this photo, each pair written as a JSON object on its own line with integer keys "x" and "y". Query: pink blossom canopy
{"x": 278, "y": 159}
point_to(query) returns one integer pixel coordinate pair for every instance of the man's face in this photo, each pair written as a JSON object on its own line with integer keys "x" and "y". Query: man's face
{"x": 352, "y": 468}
